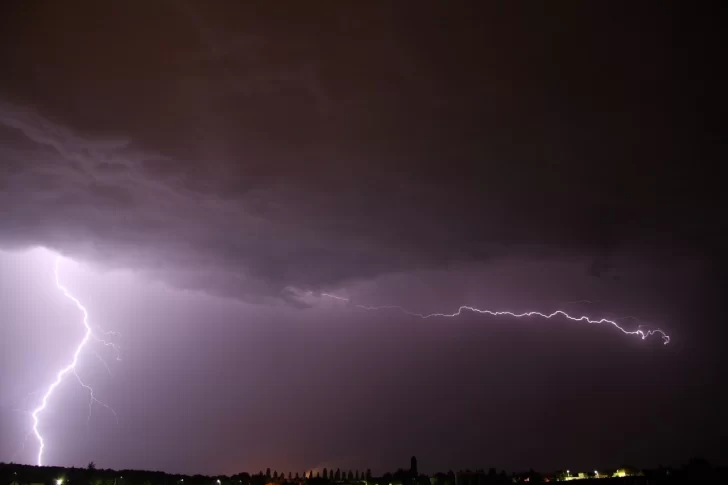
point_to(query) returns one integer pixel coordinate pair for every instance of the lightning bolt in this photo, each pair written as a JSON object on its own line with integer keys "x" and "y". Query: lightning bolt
{"x": 640, "y": 332}
{"x": 69, "y": 369}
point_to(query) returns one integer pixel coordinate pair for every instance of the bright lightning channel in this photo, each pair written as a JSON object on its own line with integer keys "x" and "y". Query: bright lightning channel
{"x": 642, "y": 333}
{"x": 69, "y": 369}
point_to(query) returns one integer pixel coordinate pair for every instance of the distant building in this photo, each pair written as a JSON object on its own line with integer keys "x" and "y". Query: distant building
{"x": 626, "y": 471}
{"x": 413, "y": 466}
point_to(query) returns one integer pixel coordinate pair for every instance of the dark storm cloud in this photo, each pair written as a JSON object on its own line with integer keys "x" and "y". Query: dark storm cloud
{"x": 96, "y": 200}
{"x": 250, "y": 154}
{"x": 423, "y": 154}
{"x": 99, "y": 200}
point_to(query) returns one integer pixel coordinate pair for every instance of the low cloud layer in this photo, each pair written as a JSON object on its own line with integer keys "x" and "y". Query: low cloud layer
{"x": 107, "y": 202}
{"x": 243, "y": 162}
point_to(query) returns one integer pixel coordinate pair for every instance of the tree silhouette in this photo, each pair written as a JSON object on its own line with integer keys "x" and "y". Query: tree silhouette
{"x": 369, "y": 474}
{"x": 275, "y": 474}
{"x": 326, "y": 474}
{"x": 350, "y": 476}
{"x": 267, "y": 473}
{"x": 356, "y": 475}
{"x": 91, "y": 466}
{"x": 337, "y": 475}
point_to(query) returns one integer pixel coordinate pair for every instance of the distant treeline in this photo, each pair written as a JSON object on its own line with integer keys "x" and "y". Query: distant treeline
{"x": 15, "y": 474}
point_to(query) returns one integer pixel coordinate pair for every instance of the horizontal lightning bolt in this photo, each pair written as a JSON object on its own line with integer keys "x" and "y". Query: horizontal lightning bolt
{"x": 642, "y": 333}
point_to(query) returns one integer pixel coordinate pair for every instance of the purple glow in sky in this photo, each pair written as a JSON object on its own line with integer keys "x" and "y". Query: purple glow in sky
{"x": 209, "y": 170}
{"x": 162, "y": 326}
{"x": 68, "y": 369}
{"x": 89, "y": 334}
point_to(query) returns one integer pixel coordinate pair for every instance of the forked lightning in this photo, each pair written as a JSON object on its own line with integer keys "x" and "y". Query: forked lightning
{"x": 65, "y": 371}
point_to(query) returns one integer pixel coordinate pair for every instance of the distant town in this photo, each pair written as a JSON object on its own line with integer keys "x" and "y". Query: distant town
{"x": 694, "y": 469}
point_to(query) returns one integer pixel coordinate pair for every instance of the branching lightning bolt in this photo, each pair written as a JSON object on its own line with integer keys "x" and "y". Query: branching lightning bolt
{"x": 70, "y": 368}
{"x": 640, "y": 332}
{"x": 93, "y": 399}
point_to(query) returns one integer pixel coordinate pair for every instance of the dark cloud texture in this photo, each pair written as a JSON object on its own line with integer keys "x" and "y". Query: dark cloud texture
{"x": 419, "y": 153}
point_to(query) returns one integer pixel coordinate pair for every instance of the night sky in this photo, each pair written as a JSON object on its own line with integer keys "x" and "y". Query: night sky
{"x": 208, "y": 169}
